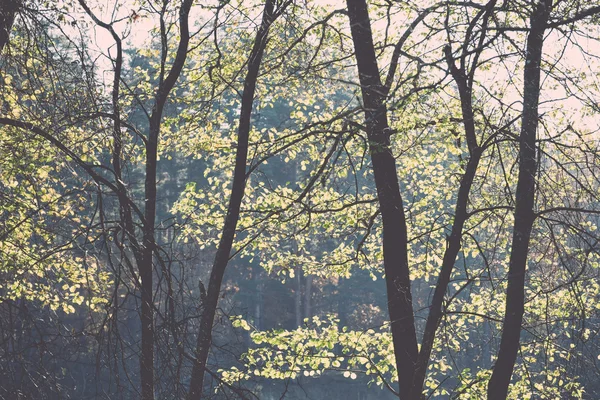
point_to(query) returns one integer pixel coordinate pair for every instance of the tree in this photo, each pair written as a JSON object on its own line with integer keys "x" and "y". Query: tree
{"x": 211, "y": 299}
{"x": 524, "y": 214}
{"x": 395, "y": 236}
{"x": 524, "y": 201}
{"x": 144, "y": 247}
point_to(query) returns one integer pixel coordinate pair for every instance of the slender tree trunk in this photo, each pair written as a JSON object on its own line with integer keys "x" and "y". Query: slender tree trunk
{"x": 147, "y": 319}
{"x": 8, "y": 11}
{"x": 307, "y": 296}
{"x": 487, "y": 347}
{"x": 146, "y": 267}
{"x": 298, "y": 298}
{"x": 464, "y": 83}
{"x": 390, "y": 201}
{"x": 259, "y": 301}
{"x": 524, "y": 214}
{"x": 342, "y": 303}
{"x": 221, "y": 260}
{"x": 454, "y": 245}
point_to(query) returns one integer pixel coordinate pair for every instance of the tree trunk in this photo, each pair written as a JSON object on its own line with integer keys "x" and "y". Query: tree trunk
{"x": 298, "y": 298}
{"x": 524, "y": 214}
{"x": 147, "y": 319}
{"x": 307, "y": 295}
{"x": 454, "y": 245}
{"x": 8, "y": 11}
{"x": 464, "y": 83}
{"x": 146, "y": 267}
{"x": 258, "y": 280}
{"x": 233, "y": 211}
{"x": 390, "y": 201}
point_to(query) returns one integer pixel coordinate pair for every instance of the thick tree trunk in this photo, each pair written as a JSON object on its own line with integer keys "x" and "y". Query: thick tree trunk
{"x": 210, "y": 302}
{"x": 390, "y": 201}
{"x": 8, "y": 11}
{"x": 524, "y": 214}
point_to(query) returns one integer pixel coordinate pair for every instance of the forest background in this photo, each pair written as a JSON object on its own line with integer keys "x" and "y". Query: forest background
{"x": 299, "y": 199}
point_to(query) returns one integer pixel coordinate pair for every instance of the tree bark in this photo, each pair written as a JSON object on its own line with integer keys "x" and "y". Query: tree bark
{"x": 221, "y": 260}
{"x": 524, "y": 213}
{"x": 8, "y": 11}
{"x": 395, "y": 242}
